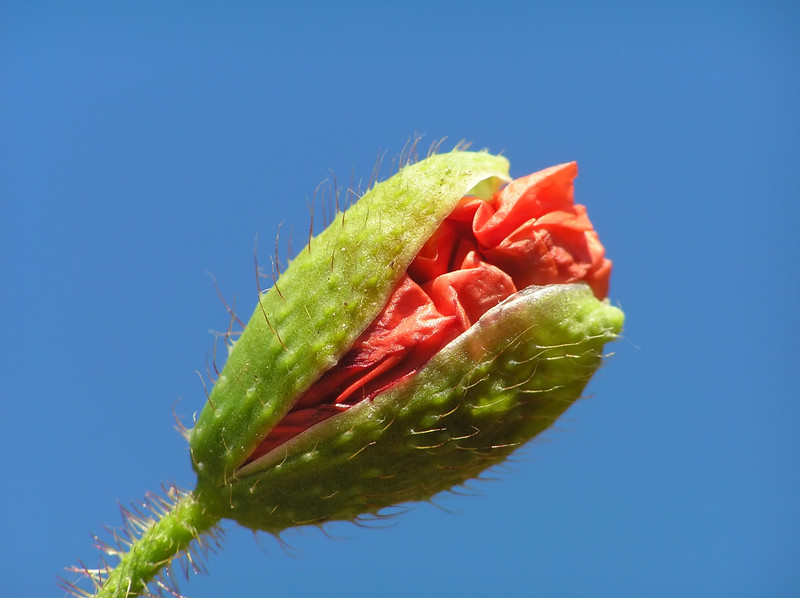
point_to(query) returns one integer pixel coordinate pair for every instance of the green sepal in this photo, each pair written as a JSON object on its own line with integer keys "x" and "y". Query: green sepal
{"x": 329, "y": 294}
{"x": 493, "y": 388}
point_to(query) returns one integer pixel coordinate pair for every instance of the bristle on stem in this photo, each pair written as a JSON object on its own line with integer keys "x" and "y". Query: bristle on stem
{"x": 156, "y": 532}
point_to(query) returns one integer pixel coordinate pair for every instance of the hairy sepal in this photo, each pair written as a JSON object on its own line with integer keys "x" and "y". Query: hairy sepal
{"x": 505, "y": 380}
{"x": 326, "y": 298}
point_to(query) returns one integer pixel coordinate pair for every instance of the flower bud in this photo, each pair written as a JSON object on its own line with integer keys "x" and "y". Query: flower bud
{"x": 431, "y": 329}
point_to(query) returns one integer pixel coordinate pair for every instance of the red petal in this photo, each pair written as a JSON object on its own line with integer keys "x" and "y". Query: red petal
{"x": 530, "y": 233}
{"x": 470, "y": 292}
{"x": 530, "y": 197}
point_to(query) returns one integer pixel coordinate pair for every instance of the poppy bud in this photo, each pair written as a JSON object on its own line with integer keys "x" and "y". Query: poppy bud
{"x": 435, "y": 326}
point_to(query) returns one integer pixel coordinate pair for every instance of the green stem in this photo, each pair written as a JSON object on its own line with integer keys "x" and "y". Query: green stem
{"x": 166, "y": 538}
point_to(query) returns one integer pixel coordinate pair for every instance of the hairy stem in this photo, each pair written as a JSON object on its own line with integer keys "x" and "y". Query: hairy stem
{"x": 164, "y": 539}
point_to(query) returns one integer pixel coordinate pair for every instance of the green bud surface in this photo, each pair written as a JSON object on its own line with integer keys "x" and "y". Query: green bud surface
{"x": 498, "y": 385}
{"x": 329, "y": 294}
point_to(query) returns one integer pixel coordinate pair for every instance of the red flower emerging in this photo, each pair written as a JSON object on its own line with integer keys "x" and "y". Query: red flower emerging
{"x": 529, "y": 233}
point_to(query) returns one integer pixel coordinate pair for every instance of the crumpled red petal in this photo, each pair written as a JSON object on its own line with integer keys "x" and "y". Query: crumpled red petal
{"x": 529, "y": 233}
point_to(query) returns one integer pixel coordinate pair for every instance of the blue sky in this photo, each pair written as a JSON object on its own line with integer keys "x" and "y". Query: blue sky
{"x": 144, "y": 144}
